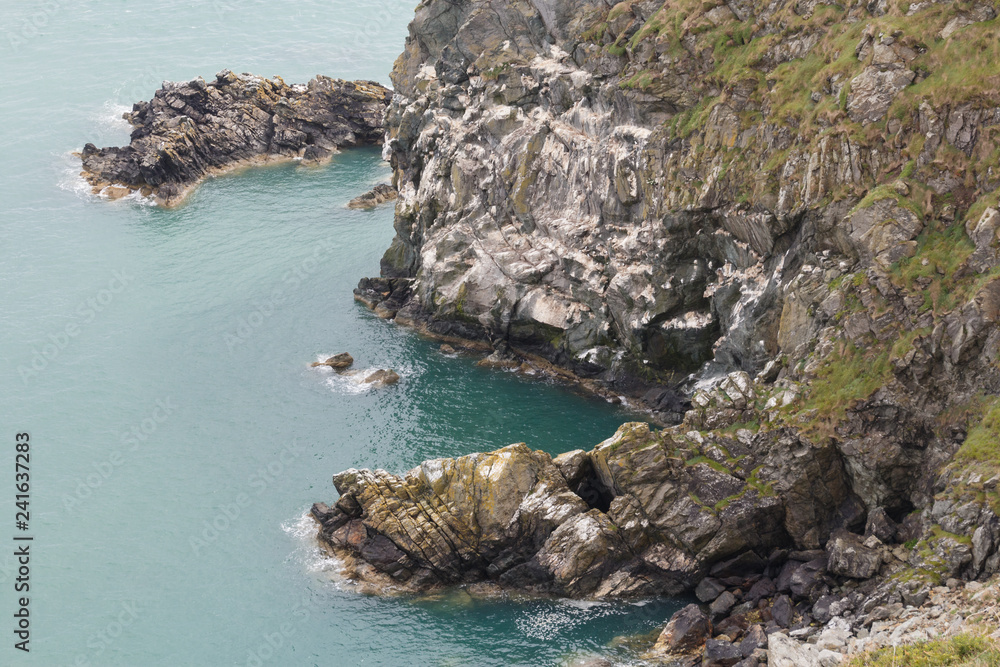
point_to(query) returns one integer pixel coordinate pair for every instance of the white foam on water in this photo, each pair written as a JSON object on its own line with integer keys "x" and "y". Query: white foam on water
{"x": 566, "y": 615}
{"x": 315, "y": 560}
{"x": 352, "y": 380}
{"x": 110, "y": 116}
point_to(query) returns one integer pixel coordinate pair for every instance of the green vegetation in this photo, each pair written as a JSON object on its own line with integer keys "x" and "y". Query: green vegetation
{"x": 963, "y": 650}
{"x": 982, "y": 445}
{"x": 848, "y": 375}
{"x": 714, "y": 465}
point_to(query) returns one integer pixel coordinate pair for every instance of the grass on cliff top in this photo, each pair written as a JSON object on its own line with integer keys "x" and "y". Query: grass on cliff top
{"x": 963, "y": 650}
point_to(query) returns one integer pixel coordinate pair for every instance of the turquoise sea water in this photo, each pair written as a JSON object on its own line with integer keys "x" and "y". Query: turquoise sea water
{"x": 158, "y": 359}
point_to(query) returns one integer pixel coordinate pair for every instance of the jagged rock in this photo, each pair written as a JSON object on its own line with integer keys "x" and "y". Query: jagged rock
{"x": 721, "y": 654}
{"x": 782, "y": 611}
{"x": 881, "y": 525}
{"x": 453, "y": 520}
{"x": 873, "y": 91}
{"x": 708, "y": 589}
{"x": 849, "y": 557}
{"x": 380, "y": 194}
{"x": 645, "y": 518}
{"x": 762, "y": 588}
{"x": 884, "y": 232}
{"x": 755, "y": 639}
{"x": 196, "y": 128}
{"x": 687, "y": 630}
{"x": 983, "y": 233}
{"x": 722, "y": 604}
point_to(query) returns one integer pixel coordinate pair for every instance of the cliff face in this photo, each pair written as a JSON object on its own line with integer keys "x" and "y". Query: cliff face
{"x": 797, "y": 191}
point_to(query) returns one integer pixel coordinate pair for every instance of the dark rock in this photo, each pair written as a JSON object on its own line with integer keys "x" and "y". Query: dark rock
{"x": 807, "y": 578}
{"x": 721, "y": 654}
{"x": 746, "y": 563}
{"x": 708, "y": 589}
{"x": 755, "y": 638}
{"x": 193, "y": 129}
{"x": 762, "y": 588}
{"x": 722, "y": 604}
{"x": 821, "y": 610}
{"x": 733, "y": 626}
{"x": 782, "y": 611}
{"x": 880, "y": 525}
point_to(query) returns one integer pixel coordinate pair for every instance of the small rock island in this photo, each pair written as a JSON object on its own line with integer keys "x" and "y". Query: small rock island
{"x": 195, "y": 129}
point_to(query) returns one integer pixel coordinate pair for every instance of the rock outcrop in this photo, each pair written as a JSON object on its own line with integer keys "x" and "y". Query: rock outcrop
{"x": 774, "y": 224}
{"x": 194, "y": 129}
{"x": 381, "y": 193}
{"x": 642, "y": 513}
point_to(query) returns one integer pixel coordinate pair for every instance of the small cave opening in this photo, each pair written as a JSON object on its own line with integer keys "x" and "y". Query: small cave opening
{"x": 592, "y": 490}
{"x": 899, "y": 510}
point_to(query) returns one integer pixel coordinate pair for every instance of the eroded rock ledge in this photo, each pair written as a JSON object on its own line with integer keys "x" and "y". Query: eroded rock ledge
{"x": 194, "y": 129}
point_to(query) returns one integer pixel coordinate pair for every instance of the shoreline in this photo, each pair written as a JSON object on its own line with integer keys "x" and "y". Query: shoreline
{"x": 116, "y": 191}
{"x": 515, "y": 359}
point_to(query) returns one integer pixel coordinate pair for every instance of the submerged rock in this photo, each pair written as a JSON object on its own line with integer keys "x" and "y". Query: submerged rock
{"x": 193, "y": 129}
{"x": 382, "y": 378}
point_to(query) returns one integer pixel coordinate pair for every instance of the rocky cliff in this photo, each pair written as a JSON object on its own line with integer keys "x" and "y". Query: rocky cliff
{"x": 193, "y": 129}
{"x": 784, "y": 213}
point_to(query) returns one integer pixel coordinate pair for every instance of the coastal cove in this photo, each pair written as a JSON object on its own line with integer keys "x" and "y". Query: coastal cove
{"x": 179, "y": 435}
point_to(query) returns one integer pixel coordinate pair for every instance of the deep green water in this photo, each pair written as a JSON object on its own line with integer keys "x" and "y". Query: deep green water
{"x": 178, "y": 437}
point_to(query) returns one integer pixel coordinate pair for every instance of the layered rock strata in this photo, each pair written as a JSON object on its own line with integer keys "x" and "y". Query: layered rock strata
{"x": 777, "y": 223}
{"x": 195, "y": 129}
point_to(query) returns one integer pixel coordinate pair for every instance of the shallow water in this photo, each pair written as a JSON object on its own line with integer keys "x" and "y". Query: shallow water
{"x": 159, "y": 359}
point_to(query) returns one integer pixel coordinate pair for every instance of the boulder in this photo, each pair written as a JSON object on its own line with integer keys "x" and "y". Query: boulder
{"x": 687, "y": 631}
{"x": 721, "y": 654}
{"x": 881, "y": 525}
{"x": 708, "y": 589}
{"x": 722, "y": 604}
{"x": 782, "y": 611}
{"x": 783, "y": 651}
{"x": 755, "y": 639}
{"x": 849, "y": 557}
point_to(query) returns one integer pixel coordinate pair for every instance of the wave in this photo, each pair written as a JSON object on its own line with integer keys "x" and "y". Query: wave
{"x": 314, "y": 560}
{"x": 352, "y": 381}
